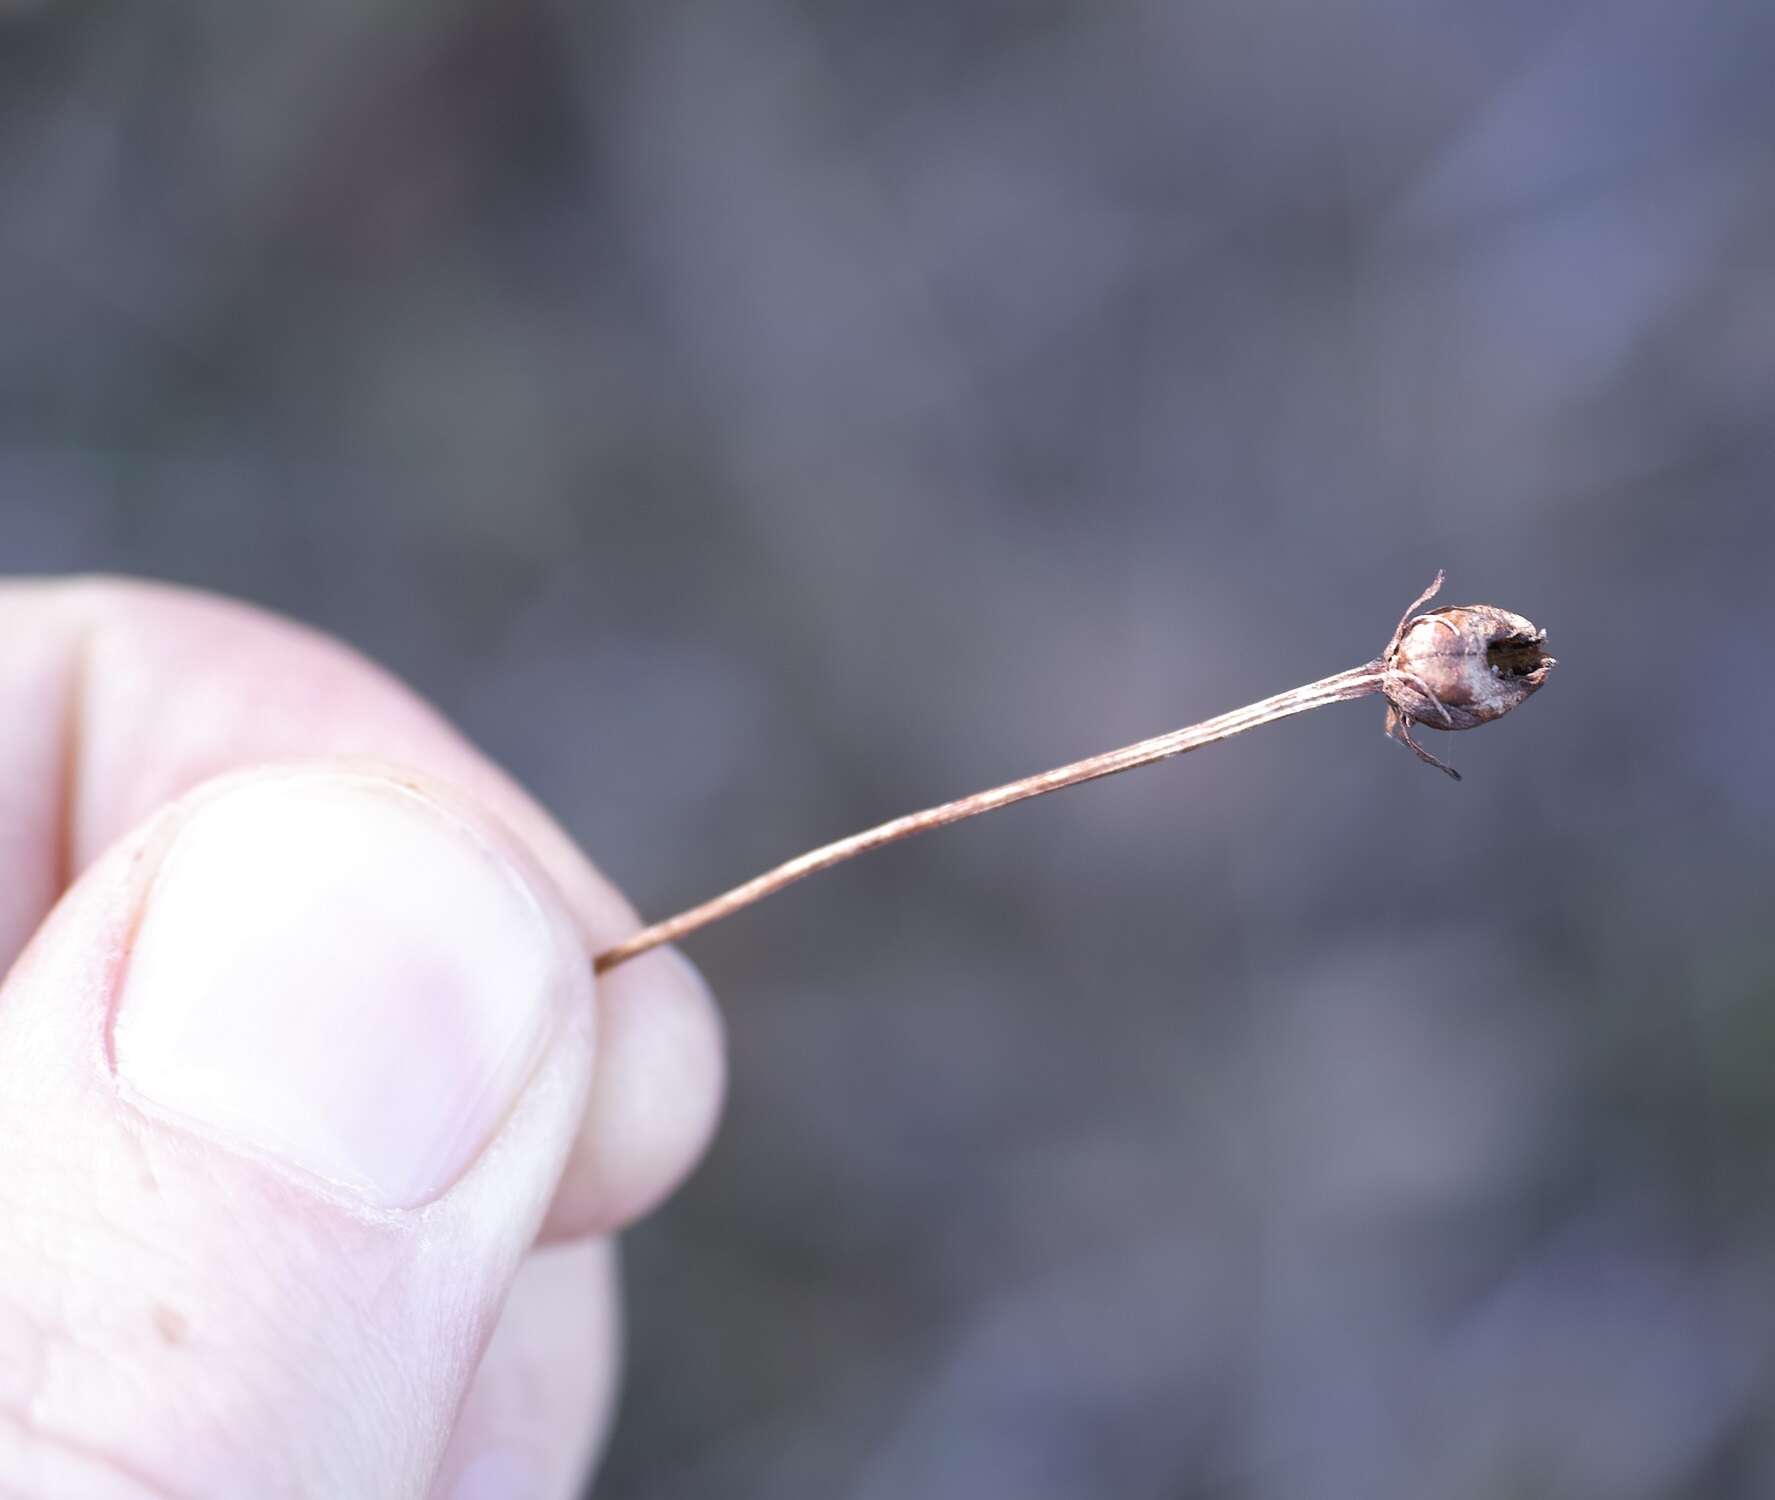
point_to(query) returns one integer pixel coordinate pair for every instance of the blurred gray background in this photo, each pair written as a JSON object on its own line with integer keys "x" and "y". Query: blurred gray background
{"x": 754, "y": 419}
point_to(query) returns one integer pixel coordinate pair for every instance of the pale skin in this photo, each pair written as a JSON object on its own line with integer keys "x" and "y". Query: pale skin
{"x": 178, "y": 1315}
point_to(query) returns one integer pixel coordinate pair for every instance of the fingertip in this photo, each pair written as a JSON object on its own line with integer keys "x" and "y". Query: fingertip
{"x": 657, "y": 1092}
{"x": 297, "y": 1065}
{"x": 539, "y": 1409}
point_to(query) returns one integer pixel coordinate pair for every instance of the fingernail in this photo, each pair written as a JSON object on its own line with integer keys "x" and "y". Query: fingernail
{"x": 334, "y": 970}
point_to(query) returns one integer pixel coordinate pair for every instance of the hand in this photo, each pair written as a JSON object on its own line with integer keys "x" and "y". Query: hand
{"x": 300, "y": 1057}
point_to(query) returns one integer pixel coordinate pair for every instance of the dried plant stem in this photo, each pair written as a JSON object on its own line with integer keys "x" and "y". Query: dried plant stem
{"x": 1358, "y": 682}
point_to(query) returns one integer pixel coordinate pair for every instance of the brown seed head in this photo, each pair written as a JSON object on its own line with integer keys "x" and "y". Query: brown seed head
{"x": 1465, "y": 665}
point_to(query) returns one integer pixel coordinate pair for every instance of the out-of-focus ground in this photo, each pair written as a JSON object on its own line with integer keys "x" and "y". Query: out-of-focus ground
{"x": 752, "y": 419}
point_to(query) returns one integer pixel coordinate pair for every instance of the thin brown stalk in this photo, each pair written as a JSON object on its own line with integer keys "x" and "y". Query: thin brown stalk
{"x": 1358, "y": 682}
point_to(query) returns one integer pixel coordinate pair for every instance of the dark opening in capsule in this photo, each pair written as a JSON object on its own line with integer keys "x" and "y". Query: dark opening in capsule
{"x": 1516, "y": 655}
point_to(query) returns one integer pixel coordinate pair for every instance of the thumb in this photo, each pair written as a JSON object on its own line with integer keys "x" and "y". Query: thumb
{"x": 289, "y": 1077}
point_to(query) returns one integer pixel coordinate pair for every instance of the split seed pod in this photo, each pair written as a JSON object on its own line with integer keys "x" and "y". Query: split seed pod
{"x": 1459, "y": 667}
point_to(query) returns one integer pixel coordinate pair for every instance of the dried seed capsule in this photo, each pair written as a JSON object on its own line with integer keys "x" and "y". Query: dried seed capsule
{"x": 1466, "y": 665}
{"x": 1459, "y": 667}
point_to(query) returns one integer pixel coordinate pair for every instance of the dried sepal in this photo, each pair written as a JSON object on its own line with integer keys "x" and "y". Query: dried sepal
{"x": 1459, "y": 667}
